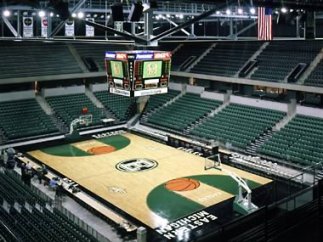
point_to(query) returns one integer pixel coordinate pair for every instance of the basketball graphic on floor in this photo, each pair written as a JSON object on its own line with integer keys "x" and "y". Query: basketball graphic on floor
{"x": 99, "y": 150}
{"x": 182, "y": 184}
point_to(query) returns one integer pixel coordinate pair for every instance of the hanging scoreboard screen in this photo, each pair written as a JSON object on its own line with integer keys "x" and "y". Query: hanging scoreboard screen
{"x": 138, "y": 73}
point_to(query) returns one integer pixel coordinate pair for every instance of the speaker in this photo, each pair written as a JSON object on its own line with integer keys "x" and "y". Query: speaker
{"x": 90, "y": 64}
{"x": 117, "y": 12}
{"x": 135, "y": 12}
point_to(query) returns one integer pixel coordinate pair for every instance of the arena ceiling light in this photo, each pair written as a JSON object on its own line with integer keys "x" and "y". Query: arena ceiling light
{"x": 80, "y": 15}
{"x": 228, "y": 11}
{"x": 41, "y": 13}
{"x": 73, "y": 15}
{"x": 252, "y": 10}
{"x": 51, "y": 14}
{"x": 6, "y": 13}
{"x": 240, "y": 11}
{"x": 283, "y": 10}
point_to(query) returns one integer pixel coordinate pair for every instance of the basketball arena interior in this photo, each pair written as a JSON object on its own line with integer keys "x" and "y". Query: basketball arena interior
{"x": 161, "y": 120}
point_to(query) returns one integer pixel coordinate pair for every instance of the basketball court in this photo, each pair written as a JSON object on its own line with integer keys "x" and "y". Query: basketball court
{"x": 152, "y": 182}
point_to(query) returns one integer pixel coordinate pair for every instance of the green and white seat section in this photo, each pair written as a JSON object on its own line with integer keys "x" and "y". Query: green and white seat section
{"x": 23, "y": 118}
{"x": 184, "y": 111}
{"x": 300, "y": 141}
{"x": 238, "y": 124}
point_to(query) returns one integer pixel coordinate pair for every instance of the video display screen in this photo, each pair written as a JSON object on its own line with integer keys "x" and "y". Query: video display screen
{"x": 152, "y": 69}
{"x": 117, "y": 69}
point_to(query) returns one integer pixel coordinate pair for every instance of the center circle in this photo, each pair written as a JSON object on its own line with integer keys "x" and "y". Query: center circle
{"x": 136, "y": 165}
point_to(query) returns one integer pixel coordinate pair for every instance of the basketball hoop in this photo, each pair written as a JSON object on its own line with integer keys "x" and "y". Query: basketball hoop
{"x": 85, "y": 119}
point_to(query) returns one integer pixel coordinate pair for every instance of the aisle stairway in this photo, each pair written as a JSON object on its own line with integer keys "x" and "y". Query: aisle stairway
{"x": 254, "y": 145}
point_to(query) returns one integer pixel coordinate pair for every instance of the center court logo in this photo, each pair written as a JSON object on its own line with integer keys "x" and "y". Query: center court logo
{"x": 136, "y": 165}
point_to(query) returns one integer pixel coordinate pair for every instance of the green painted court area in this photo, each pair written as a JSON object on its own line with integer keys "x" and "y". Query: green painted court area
{"x": 70, "y": 150}
{"x": 171, "y": 206}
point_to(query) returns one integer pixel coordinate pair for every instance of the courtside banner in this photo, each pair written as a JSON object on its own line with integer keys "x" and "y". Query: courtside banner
{"x": 44, "y": 26}
{"x": 89, "y": 30}
{"x": 69, "y": 28}
{"x": 28, "y": 27}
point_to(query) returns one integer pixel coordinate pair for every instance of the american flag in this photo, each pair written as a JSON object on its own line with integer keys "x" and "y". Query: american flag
{"x": 265, "y": 24}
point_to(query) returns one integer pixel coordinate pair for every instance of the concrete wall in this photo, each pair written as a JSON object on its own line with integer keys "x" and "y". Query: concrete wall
{"x": 176, "y": 86}
{"x": 99, "y": 87}
{"x": 194, "y": 89}
{"x": 308, "y": 111}
{"x": 59, "y": 91}
{"x": 11, "y": 96}
{"x": 213, "y": 95}
{"x": 259, "y": 103}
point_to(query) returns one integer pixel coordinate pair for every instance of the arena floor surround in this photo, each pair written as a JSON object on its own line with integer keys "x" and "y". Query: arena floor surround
{"x": 152, "y": 182}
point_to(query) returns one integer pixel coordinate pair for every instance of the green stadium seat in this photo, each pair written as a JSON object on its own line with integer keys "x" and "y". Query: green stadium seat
{"x": 183, "y": 112}
{"x": 300, "y": 141}
{"x": 122, "y": 107}
{"x": 238, "y": 124}
{"x": 12, "y": 112}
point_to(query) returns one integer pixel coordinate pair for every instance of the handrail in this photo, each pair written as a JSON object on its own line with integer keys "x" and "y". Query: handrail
{"x": 9, "y": 230}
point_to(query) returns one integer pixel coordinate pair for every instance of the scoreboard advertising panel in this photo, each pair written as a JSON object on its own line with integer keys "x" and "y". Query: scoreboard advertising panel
{"x": 138, "y": 73}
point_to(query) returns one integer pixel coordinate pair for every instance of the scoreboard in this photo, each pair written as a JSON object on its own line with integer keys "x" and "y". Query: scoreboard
{"x": 138, "y": 73}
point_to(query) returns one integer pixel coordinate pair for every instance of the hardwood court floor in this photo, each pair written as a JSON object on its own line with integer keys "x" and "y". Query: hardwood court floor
{"x": 143, "y": 194}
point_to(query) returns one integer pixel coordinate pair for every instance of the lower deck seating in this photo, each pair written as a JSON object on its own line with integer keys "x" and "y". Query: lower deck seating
{"x": 69, "y": 107}
{"x": 13, "y": 190}
{"x": 316, "y": 77}
{"x": 6, "y": 234}
{"x": 156, "y": 101}
{"x": 24, "y": 118}
{"x": 300, "y": 141}
{"x": 122, "y": 107}
{"x": 35, "y": 225}
{"x": 238, "y": 124}
{"x": 186, "y": 110}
